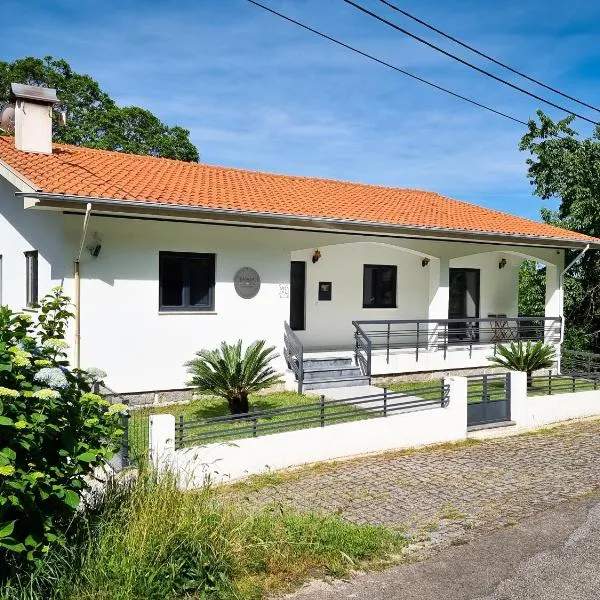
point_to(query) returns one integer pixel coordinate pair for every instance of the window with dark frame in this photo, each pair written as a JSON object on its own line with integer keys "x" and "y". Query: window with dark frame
{"x": 31, "y": 278}
{"x": 186, "y": 281}
{"x": 379, "y": 286}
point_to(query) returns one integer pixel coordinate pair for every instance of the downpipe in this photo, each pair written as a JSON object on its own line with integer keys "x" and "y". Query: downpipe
{"x": 77, "y": 282}
{"x": 561, "y": 302}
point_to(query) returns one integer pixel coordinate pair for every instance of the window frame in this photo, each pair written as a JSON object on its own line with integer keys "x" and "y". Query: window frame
{"x": 187, "y": 257}
{"x": 31, "y": 278}
{"x": 395, "y": 285}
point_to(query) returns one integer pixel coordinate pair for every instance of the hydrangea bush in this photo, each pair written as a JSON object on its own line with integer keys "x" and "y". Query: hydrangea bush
{"x": 54, "y": 431}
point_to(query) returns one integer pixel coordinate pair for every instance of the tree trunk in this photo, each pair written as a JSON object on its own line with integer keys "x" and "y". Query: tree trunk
{"x": 238, "y": 404}
{"x": 529, "y": 379}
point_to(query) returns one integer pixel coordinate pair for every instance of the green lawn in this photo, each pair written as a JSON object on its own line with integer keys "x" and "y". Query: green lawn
{"x": 304, "y": 409}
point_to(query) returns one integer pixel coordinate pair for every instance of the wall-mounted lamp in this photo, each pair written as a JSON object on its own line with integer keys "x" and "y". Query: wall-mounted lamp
{"x": 502, "y": 264}
{"x": 96, "y": 245}
{"x": 316, "y": 256}
{"x": 425, "y": 262}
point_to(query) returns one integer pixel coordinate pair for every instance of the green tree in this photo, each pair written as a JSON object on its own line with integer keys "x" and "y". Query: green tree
{"x": 565, "y": 167}
{"x": 532, "y": 289}
{"x": 93, "y": 118}
{"x": 233, "y": 375}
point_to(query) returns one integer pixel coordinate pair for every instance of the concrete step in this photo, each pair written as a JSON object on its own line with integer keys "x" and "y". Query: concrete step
{"x": 335, "y": 383}
{"x": 332, "y": 361}
{"x": 331, "y": 373}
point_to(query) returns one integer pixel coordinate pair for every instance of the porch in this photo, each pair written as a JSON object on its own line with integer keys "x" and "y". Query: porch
{"x": 404, "y": 346}
{"x": 370, "y": 308}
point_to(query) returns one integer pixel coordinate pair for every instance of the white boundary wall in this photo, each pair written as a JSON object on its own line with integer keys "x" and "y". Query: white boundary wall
{"x": 536, "y": 411}
{"x": 231, "y": 461}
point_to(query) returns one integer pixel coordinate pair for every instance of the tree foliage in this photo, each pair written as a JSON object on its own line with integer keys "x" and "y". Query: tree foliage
{"x": 93, "y": 118}
{"x": 232, "y": 374}
{"x": 566, "y": 167}
{"x": 532, "y": 289}
{"x": 53, "y": 432}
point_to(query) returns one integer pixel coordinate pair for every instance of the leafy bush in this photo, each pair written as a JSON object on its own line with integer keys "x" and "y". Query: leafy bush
{"x": 232, "y": 375}
{"x": 53, "y": 432}
{"x": 149, "y": 540}
{"x": 528, "y": 357}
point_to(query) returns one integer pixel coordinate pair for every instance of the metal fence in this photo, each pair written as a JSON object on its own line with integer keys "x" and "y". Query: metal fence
{"x": 135, "y": 441}
{"x": 312, "y": 414}
{"x": 580, "y": 363}
{"x": 547, "y": 385}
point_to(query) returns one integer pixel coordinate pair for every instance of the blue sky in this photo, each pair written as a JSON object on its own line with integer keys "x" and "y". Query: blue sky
{"x": 259, "y": 93}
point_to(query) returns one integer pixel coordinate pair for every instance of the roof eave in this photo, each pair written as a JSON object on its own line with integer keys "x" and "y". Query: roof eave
{"x": 110, "y": 205}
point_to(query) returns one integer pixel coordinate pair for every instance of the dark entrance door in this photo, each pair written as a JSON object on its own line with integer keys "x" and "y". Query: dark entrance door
{"x": 297, "y": 294}
{"x": 463, "y": 303}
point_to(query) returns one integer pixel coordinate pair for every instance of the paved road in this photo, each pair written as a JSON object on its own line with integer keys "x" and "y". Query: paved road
{"x": 554, "y": 555}
{"x": 449, "y": 494}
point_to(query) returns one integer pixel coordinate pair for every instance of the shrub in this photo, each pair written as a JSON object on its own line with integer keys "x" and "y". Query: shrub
{"x": 528, "y": 357}
{"x": 53, "y": 432}
{"x": 232, "y": 375}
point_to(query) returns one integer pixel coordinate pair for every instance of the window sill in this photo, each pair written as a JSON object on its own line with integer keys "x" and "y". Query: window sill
{"x": 187, "y": 312}
{"x": 28, "y": 309}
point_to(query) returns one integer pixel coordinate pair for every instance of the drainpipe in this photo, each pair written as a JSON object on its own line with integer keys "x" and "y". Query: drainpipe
{"x": 561, "y": 301}
{"x": 86, "y": 220}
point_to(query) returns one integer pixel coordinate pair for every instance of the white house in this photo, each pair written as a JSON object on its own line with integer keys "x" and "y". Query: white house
{"x": 180, "y": 256}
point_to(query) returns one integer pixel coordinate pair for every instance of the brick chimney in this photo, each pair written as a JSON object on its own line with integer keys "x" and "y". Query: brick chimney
{"x": 33, "y": 117}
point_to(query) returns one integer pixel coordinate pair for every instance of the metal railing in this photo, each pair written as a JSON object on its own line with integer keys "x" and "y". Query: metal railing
{"x": 293, "y": 352}
{"x": 443, "y": 334}
{"x": 313, "y": 414}
{"x": 552, "y": 383}
{"x": 362, "y": 349}
{"x": 488, "y": 398}
{"x": 579, "y": 363}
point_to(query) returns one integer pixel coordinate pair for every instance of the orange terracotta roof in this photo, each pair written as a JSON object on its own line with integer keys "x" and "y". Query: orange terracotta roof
{"x": 77, "y": 171}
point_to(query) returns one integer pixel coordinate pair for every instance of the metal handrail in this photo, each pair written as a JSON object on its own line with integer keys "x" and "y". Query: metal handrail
{"x": 362, "y": 350}
{"x": 294, "y": 354}
{"x": 445, "y": 333}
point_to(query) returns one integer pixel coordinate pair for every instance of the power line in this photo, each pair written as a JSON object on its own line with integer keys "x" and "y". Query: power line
{"x": 487, "y": 56}
{"x": 464, "y": 62}
{"x": 386, "y": 64}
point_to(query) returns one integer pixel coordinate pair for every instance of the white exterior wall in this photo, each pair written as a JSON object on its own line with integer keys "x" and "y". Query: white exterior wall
{"x": 343, "y": 265}
{"x": 122, "y": 330}
{"x": 22, "y": 231}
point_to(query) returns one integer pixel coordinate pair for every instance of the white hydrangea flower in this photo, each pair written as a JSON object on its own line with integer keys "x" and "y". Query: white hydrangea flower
{"x": 8, "y": 393}
{"x": 46, "y": 394}
{"x": 95, "y": 374}
{"x": 53, "y": 377}
{"x": 54, "y": 344}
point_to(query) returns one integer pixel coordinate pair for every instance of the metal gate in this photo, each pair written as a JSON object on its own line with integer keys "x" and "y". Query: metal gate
{"x": 488, "y": 399}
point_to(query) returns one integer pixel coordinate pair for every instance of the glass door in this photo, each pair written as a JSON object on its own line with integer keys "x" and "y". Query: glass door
{"x": 464, "y": 303}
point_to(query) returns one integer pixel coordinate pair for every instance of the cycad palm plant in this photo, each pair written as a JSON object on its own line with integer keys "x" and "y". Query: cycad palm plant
{"x": 528, "y": 357}
{"x": 233, "y": 375}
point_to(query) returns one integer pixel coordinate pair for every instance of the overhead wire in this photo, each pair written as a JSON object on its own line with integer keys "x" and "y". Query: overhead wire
{"x": 486, "y": 56}
{"x": 387, "y": 64}
{"x": 466, "y": 63}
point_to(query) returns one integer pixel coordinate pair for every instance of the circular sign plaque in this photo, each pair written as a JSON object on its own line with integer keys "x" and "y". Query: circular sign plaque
{"x": 246, "y": 282}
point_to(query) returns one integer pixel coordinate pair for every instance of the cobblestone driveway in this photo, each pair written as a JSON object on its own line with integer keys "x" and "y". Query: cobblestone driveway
{"x": 446, "y": 493}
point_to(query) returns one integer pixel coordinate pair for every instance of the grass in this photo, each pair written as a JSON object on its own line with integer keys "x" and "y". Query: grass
{"x": 149, "y": 540}
{"x": 208, "y": 407}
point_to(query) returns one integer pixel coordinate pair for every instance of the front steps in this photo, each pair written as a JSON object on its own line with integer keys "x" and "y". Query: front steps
{"x": 332, "y": 372}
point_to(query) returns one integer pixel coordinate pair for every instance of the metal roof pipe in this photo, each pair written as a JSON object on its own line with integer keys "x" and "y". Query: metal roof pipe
{"x": 77, "y": 282}
{"x": 561, "y": 280}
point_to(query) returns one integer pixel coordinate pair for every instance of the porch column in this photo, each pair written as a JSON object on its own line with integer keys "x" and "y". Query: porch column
{"x": 554, "y": 306}
{"x": 439, "y": 282}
